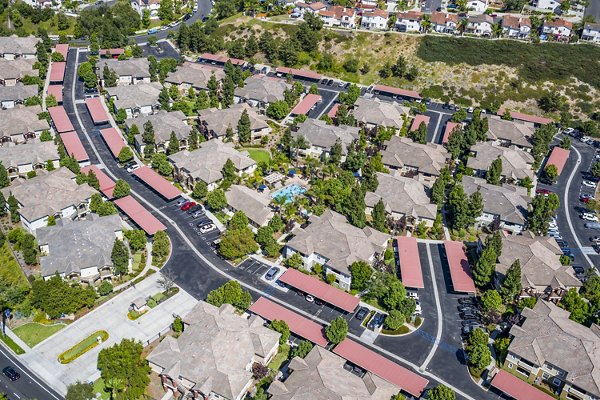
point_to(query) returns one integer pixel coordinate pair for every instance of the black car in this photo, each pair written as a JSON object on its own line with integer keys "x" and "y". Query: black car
{"x": 578, "y": 269}
{"x": 11, "y": 373}
{"x": 467, "y": 300}
{"x": 271, "y": 274}
{"x": 361, "y": 314}
{"x": 192, "y": 210}
{"x": 470, "y": 314}
{"x": 376, "y": 321}
{"x": 330, "y": 82}
{"x": 467, "y": 308}
{"x": 469, "y": 322}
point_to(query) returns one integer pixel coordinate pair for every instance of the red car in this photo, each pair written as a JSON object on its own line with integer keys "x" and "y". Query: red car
{"x": 187, "y": 206}
{"x": 585, "y": 198}
{"x": 544, "y": 192}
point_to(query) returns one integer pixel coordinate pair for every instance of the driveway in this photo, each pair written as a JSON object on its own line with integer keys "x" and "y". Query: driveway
{"x": 111, "y": 317}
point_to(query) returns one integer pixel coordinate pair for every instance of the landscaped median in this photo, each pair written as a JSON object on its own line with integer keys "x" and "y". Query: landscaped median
{"x": 83, "y": 347}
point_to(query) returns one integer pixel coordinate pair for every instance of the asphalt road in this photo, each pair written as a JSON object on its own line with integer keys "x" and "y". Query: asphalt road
{"x": 593, "y": 9}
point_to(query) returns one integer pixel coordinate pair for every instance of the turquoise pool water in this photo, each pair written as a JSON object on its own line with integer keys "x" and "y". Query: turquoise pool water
{"x": 289, "y": 192}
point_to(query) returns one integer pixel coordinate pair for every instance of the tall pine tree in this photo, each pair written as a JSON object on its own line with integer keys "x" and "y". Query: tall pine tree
{"x": 244, "y": 130}
{"x": 511, "y": 286}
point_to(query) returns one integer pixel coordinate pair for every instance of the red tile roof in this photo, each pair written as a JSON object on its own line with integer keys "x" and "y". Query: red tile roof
{"x": 57, "y": 71}
{"x": 298, "y": 324}
{"x": 417, "y": 121}
{"x": 56, "y": 91}
{"x": 157, "y": 182}
{"x": 61, "y": 120}
{"x": 558, "y": 158}
{"x": 441, "y": 18}
{"x": 333, "y": 112}
{"x": 449, "y": 128}
{"x": 107, "y": 185}
{"x": 515, "y": 22}
{"x": 96, "y": 110}
{"x": 73, "y": 146}
{"x": 527, "y": 117}
{"x": 114, "y": 140}
{"x": 298, "y": 72}
{"x": 397, "y": 91}
{"x": 306, "y": 104}
{"x": 139, "y": 215}
{"x": 63, "y": 49}
{"x": 221, "y": 59}
{"x": 411, "y": 15}
{"x": 384, "y": 368}
{"x": 319, "y": 289}
{"x": 376, "y": 13}
{"x": 337, "y": 12}
{"x": 316, "y": 6}
{"x": 410, "y": 263}
{"x": 460, "y": 270}
{"x": 516, "y": 388}
{"x": 558, "y": 23}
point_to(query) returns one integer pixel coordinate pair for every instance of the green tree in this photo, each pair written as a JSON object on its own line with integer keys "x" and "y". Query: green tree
{"x": 354, "y": 208}
{"x": 378, "y": 216}
{"x": 80, "y": 391}
{"x": 396, "y": 293}
{"x": 337, "y": 331}
{"x": 458, "y": 208}
{"x": 243, "y": 128}
{"x": 120, "y": 257}
{"x": 216, "y": 200}
{"x": 278, "y": 110}
{"x": 459, "y": 116}
{"x": 565, "y": 143}
{"x": 576, "y": 305}
{"x": 165, "y": 11}
{"x": 125, "y": 155}
{"x": 109, "y": 77}
{"x": 124, "y": 362}
{"x": 173, "y": 144}
{"x": 596, "y": 169}
{"x": 302, "y": 350}
{"x": 161, "y": 163}
{"x": 394, "y": 320}
{"x": 13, "y": 208}
{"x": 121, "y": 189}
{"x": 86, "y": 72}
{"x": 178, "y": 324}
{"x": 511, "y": 286}
{"x": 200, "y": 190}
{"x": 237, "y": 243}
{"x": 229, "y": 172}
{"x": 551, "y": 101}
{"x": 105, "y": 288}
{"x": 491, "y": 300}
{"x": 4, "y": 179}
{"x": 29, "y": 249}
{"x": 494, "y": 172}
{"x": 230, "y": 293}
{"x": 146, "y": 19}
{"x": 542, "y": 210}
{"x": 551, "y": 173}
{"x": 238, "y": 221}
{"x": 484, "y": 267}
{"x": 282, "y": 327}
{"x": 419, "y": 135}
{"x": 361, "y": 272}
{"x": 56, "y": 297}
{"x": 92, "y": 180}
{"x": 441, "y": 392}
{"x": 160, "y": 245}
{"x": 136, "y": 238}
{"x": 121, "y": 115}
{"x": 294, "y": 261}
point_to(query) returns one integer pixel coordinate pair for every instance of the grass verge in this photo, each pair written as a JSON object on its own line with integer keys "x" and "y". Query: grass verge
{"x": 259, "y": 155}
{"x": 11, "y": 344}
{"x": 34, "y": 333}
{"x": 82, "y": 347}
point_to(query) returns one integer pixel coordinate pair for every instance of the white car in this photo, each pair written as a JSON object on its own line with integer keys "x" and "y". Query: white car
{"x": 589, "y": 217}
{"x": 133, "y": 168}
{"x": 470, "y": 110}
{"x": 207, "y": 228}
{"x": 589, "y": 184}
{"x": 418, "y": 307}
{"x": 412, "y": 295}
{"x": 309, "y": 298}
{"x": 584, "y": 139}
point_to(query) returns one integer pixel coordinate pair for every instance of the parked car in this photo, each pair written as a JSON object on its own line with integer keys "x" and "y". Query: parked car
{"x": 595, "y": 239}
{"x": 466, "y": 307}
{"x": 195, "y": 208}
{"x": 376, "y": 321}
{"x": 562, "y": 244}
{"x": 271, "y": 273}
{"x": 578, "y": 269}
{"x": 544, "y": 192}
{"x": 589, "y": 184}
{"x": 584, "y": 198}
{"x": 418, "y": 306}
{"x": 207, "y": 228}
{"x": 361, "y": 313}
{"x": 589, "y": 217}
{"x": 187, "y": 205}
{"x": 468, "y": 322}
{"x": 470, "y": 314}
{"x": 198, "y": 214}
{"x": 592, "y": 225}
{"x": 412, "y": 295}
{"x": 467, "y": 300}
{"x": 11, "y": 373}
{"x": 180, "y": 202}
{"x": 309, "y": 298}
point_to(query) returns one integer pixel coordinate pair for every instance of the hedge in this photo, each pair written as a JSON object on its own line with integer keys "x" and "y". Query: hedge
{"x": 82, "y": 347}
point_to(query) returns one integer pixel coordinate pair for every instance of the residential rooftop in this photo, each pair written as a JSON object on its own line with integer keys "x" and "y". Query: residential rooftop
{"x": 19, "y": 92}
{"x": 134, "y": 67}
{"x": 16, "y": 69}
{"x": 18, "y": 45}
{"x": 402, "y": 152}
{"x": 380, "y": 113}
{"x": 517, "y": 133}
{"x": 254, "y": 204}
{"x": 194, "y": 74}
{"x": 21, "y": 120}
{"x": 319, "y": 134}
{"x": 262, "y": 88}
{"x": 218, "y": 120}
{"x": 163, "y": 123}
{"x": 516, "y": 163}
{"x": 135, "y": 96}
{"x": 33, "y": 152}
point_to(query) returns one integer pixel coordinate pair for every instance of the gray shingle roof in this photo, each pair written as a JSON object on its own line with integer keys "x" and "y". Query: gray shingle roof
{"x": 32, "y": 152}
{"x": 517, "y": 133}
{"x": 133, "y": 96}
{"x": 402, "y": 195}
{"x": 135, "y": 67}
{"x": 76, "y": 245}
{"x": 214, "y": 351}
{"x": 206, "y": 163}
{"x": 548, "y": 335}
{"x": 163, "y": 123}
{"x": 196, "y": 75}
{"x": 218, "y": 120}
{"x": 262, "y": 88}
{"x": 380, "y": 113}
{"x": 516, "y": 163}
{"x": 19, "y": 92}
{"x": 21, "y": 120}
{"x": 428, "y": 158}
{"x": 16, "y": 69}
{"x": 319, "y": 134}
{"x": 331, "y": 236}
{"x": 18, "y": 45}
{"x": 254, "y": 204}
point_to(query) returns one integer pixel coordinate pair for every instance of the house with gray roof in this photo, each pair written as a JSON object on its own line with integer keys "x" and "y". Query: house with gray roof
{"x": 214, "y": 122}
{"x": 505, "y": 204}
{"x": 261, "y": 90}
{"x": 49, "y": 193}
{"x": 405, "y": 199}
{"x": 19, "y": 124}
{"x": 373, "y": 112}
{"x": 129, "y": 72}
{"x": 542, "y": 272}
{"x": 321, "y": 376}
{"x": 193, "y": 75}
{"x": 136, "y": 99}
{"x": 252, "y": 203}
{"x": 550, "y": 348}
{"x": 79, "y": 250}
{"x": 213, "y": 357}
{"x": 34, "y": 155}
{"x": 510, "y": 133}
{"x": 516, "y": 163}
{"x": 14, "y": 47}
{"x": 14, "y": 71}
{"x": 329, "y": 240}
{"x": 206, "y": 163}
{"x": 163, "y": 123}
{"x": 321, "y": 137}
{"x": 424, "y": 161}
{"x": 10, "y": 96}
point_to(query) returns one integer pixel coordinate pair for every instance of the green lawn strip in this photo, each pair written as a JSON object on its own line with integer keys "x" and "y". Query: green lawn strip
{"x": 280, "y": 357}
{"x": 82, "y": 347}
{"x": 259, "y": 155}
{"x": 34, "y": 333}
{"x": 158, "y": 297}
{"x": 11, "y": 344}
{"x": 9, "y": 268}
{"x": 100, "y": 388}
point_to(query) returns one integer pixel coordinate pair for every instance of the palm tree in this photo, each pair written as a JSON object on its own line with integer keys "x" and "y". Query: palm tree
{"x": 114, "y": 385}
{"x": 425, "y": 23}
{"x": 496, "y": 30}
{"x": 462, "y": 25}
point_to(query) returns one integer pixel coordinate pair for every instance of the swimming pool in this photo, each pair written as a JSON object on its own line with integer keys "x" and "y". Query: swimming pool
{"x": 289, "y": 192}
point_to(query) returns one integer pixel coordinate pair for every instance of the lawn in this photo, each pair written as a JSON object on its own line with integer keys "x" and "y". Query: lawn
{"x": 34, "y": 333}
{"x": 11, "y": 343}
{"x": 82, "y": 347}
{"x": 259, "y": 155}
{"x": 99, "y": 388}
{"x": 10, "y": 271}
{"x": 281, "y": 356}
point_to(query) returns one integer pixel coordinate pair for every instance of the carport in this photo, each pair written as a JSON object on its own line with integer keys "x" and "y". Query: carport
{"x": 157, "y": 182}
{"x": 62, "y": 48}
{"x": 410, "y": 263}
{"x": 57, "y": 92}
{"x": 113, "y": 140}
{"x": 299, "y": 73}
{"x": 299, "y": 325}
{"x": 384, "y": 368}
{"x": 389, "y": 90}
{"x": 96, "y": 110}
{"x": 450, "y": 126}
{"x": 60, "y": 119}
{"x": 306, "y": 104}
{"x": 74, "y": 147}
{"x": 534, "y": 119}
{"x": 558, "y": 158}
{"x": 57, "y": 72}
{"x": 107, "y": 185}
{"x": 320, "y": 290}
{"x": 139, "y": 215}
{"x": 419, "y": 118}
{"x": 460, "y": 270}
{"x": 222, "y": 60}
{"x": 516, "y": 388}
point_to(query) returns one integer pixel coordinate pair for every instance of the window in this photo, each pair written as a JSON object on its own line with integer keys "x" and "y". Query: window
{"x": 556, "y": 382}
{"x": 545, "y": 375}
